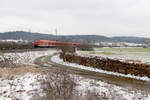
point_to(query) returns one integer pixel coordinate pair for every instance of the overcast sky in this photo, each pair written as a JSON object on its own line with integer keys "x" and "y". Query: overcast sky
{"x": 101, "y": 17}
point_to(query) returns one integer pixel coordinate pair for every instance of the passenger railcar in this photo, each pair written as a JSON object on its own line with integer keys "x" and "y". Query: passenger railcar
{"x": 47, "y": 43}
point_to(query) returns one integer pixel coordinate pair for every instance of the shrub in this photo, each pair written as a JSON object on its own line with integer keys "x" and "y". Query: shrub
{"x": 13, "y": 45}
{"x": 67, "y": 49}
{"x": 86, "y": 47}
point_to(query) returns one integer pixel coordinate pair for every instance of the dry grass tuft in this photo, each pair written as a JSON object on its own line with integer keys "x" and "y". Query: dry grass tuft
{"x": 9, "y": 72}
{"x": 1, "y": 54}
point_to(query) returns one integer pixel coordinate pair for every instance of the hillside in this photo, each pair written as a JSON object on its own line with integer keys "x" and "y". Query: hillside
{"x": 24, "y": 35}
{"x": 132, "y": 39}
{"x": 75, "y": 38}
{"x": 31, "y": 36}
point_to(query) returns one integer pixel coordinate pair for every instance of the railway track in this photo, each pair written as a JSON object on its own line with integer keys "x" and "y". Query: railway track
{"x": 130, "y": 83}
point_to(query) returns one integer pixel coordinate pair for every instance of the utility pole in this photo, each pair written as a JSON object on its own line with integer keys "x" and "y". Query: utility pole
{"x": 29, "y": 30}
{"x": 56, "y": 31}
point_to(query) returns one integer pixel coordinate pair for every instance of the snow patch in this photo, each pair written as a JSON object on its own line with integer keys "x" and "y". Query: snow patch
{"x": 109, "y": 90}
{"x": 27, "y": 58}
{"x": 20, "y": 87}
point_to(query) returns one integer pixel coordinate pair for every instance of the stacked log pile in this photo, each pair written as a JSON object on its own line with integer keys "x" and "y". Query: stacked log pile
{"x": 113, "y": 65}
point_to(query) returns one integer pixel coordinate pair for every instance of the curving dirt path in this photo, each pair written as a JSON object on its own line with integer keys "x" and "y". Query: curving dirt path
{"x": 130, "y": 83}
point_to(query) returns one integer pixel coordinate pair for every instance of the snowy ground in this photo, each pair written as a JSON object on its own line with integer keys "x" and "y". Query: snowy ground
{"x": 28, "y": 83}
{"x": 20, "y": 87}
{"x": 141, "y": 55}
{"x": 27, "y": 58}
{"x": 102, "y": 88}
{"x": 32, "y": 83}
{"x": 108, "y": 91}
{"x": 25, "y": 85}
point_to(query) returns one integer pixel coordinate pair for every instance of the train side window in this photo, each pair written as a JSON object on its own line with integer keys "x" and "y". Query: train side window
{"x": 42, "y": 43}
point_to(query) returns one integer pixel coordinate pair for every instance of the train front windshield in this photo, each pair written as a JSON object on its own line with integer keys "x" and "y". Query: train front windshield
{"x": 36, "y": 41}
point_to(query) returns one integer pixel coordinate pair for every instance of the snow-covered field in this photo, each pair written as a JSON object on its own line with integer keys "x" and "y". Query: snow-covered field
{"x": 35, "y": 83}
{"x": 27, "y": 58}
{"x": 139, "y": 54}
{"x": 21, "y": 86}
{"x": 108, "y": 91}
{"x": 141, "y": 57}
{"x": 30, "y": 84}
{"x": 102, "y": 88}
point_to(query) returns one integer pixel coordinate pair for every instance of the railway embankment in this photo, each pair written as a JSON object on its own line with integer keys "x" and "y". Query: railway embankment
{"x": 107, "y": 64}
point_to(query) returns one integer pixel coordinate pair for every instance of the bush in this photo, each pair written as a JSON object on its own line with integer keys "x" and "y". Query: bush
{"x": 86, "y": 47}
{"x": 67, "y": 49}
{"x": 13, "y": 45}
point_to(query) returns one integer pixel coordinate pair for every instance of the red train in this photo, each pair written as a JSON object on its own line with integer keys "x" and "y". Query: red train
{"x": 47, "y": 43}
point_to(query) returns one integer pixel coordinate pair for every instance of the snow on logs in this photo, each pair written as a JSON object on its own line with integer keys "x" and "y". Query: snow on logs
{"x": 114, "y": 65}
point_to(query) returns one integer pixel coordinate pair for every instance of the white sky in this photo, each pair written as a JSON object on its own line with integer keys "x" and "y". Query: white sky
{"x": 101, "y": 17}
